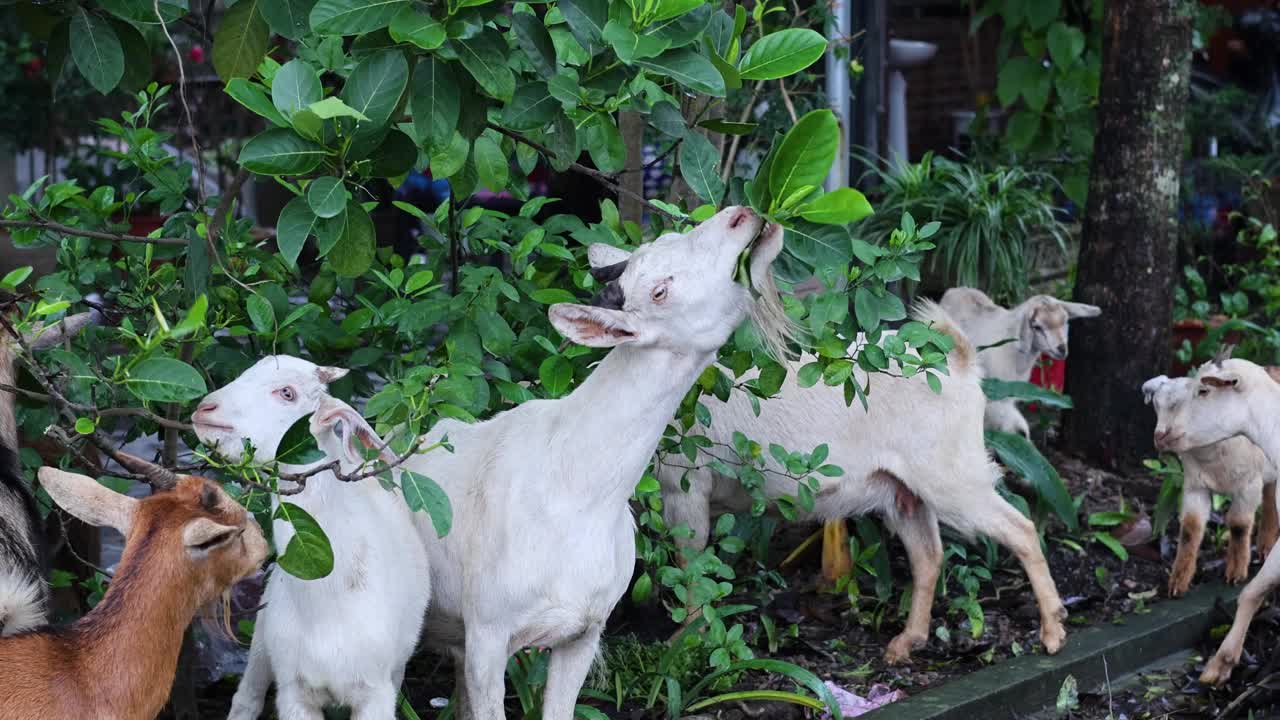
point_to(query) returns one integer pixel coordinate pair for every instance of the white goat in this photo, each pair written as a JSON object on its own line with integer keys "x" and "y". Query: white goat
{"x": 1234, "y": 467}
{"x": 543, "y": 543}
{"x": 933, "y": 467}
{"x": 1038, "y": 325}
{"x": 1226, "y": 399}
{"x": 343, "y": 639}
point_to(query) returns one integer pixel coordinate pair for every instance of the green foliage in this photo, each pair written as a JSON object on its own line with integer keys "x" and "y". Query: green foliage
{"x": 988, "y": 219}
{"x": 1169, "y": 501}
{"x": 1050, "y": 58}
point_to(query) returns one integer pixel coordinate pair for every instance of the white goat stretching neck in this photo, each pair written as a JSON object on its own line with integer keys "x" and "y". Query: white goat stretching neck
{"x": 1226, "y": 399}
{"x": 343, "y": 639}
{"x": 543, "y": 544}
{"x": 938, "y": 471}
{"x": 1037, "y": 326}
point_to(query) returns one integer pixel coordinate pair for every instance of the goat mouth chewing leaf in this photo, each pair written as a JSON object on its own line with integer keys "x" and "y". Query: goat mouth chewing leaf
{"x": 742, "y": 273}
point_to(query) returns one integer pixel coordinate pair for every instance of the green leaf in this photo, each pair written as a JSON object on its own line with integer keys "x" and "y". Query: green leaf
{"x": 308, "y": 556}
{"x": 280, "y": 152}
{"x": 485, "y": 57}
{"x": 556, "y": 374}
{"x": 495, "y": 334}
{"x": 261, "y": 314}
{"x": 144, "y": 11}
{"x": 605, "y": 144}
{"x": 806, "y": 154}
{"x": 295, "y": 86}
{"x": 296, "y": 223}
{"x": 447, "y": 160}
{"x": 162, "y": 379}
{"x": 866, "y": 307}
{"x": 1065, "y": 44}
{"x": 422, "y": 493}
{"x": 531, "y": 108}
{"x": 85, "y": 426}
{"x": 435, "y": 104}
{"x": 240, "y": 41}
{"x": 1015, "y": 77}
{"x": 491, "y": 163}
{"x": 298, "y": 446}
{"x": 328, "y": 232}
{"x": 413, "y": 25}
{"x": 688, "y": 68}
{"x": 95, "y": 47}
{"x": 782, "y": 53}
{"x": 353, "y": 253}
{"x": 287, "y": 18}
{"x": 396, "y": 156}
{"x": 1023, "y": 128}
{"x": 629, "y": 46}
{"x": 1112, "y": 544}
{"x": 532, "y": 37}
{"x": 1024, "y": 459}
{"x": 137, "y": 56}
{"x": 15, "y": 277}
{"x": 809, "y": 374}
{"x": 254, "y": 96}
{"x": 586, "y": 19}
{"x": 838, "y": 207}
{"x": 375, "y": 87}
{"x": 353, "y": 17}
{"x": 551, "y": 296}
{"x": 797, "y": 674}
{"x": 1042, "y": 12}
{"x": 327, "y": 196}
{"x": 1000, "y": 389}
{"x": 332, "y": 107}
{"x": 700, "y": 167}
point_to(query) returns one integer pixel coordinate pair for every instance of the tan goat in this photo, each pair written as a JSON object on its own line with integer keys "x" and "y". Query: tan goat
{"x": 183, "y": 547}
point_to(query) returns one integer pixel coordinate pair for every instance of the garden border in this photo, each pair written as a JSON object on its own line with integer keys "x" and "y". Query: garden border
{"x": 1030, "y": 683}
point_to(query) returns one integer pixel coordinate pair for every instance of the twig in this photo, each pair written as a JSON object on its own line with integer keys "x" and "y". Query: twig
{"x": 63, "y": 405}
{"x": 727, "y": 171}
{"x": 94, "y": 234}
{"x": 300, "y": 478}
{"x": 219, "y": 221}
{"x": 596, "y": 175}
{"x": 786, "y": 100}
{"x": 182, "y": 97}
{"x": 106, "y": 412}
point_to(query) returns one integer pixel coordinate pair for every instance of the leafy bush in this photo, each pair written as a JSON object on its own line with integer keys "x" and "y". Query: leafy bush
{"x": 988, "y": 218}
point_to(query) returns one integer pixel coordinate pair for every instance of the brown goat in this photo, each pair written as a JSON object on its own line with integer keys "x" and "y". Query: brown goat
{"x": 183, "y": 547}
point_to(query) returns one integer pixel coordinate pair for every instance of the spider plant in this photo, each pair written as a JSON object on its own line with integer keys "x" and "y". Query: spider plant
{"x": 989, "y": 216}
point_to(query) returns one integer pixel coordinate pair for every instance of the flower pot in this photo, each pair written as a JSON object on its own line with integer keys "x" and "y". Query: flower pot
{"x": 1049, "y": 373}
{"x": 1194, "y": 331}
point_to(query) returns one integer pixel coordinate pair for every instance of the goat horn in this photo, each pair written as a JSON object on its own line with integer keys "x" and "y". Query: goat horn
{"x": 609, "y": 273}
{"x": 158, "y": 477}
{"x": 1224, "y": 353}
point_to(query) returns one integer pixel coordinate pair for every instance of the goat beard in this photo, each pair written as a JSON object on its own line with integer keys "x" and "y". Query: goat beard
{"x": 215, "y": 618}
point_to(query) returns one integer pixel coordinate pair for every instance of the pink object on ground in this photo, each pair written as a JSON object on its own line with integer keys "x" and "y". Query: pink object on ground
{"x": 852, "y": 705}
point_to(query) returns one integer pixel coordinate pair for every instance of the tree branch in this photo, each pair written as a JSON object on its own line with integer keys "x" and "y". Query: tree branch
{"x": 300, "y": 478}
{"x": 94, "y": 234}
{"x": 106, "y": 412}
{"x": 594, "y": 174}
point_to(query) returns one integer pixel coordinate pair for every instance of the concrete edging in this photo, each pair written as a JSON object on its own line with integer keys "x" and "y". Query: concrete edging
{"x": 1029, "y": 683}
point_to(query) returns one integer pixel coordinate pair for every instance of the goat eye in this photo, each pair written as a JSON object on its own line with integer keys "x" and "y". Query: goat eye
{"x": 659, "y": 293}
{"x": 287, "y": 393}
{"x": 1202, "y": 392}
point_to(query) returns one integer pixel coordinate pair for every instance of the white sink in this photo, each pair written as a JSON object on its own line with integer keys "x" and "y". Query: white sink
{"x": 910, "y": 53}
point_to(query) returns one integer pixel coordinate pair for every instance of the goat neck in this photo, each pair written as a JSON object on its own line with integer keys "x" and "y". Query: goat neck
{"x": 624, "y": 406}
{"x": 130, "y": 668}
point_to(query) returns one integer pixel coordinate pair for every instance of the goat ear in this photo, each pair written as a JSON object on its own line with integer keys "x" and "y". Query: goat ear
{"x": 203, "y": 533}
{"x": 1150, "y": 387}
{"x": 1221, "y": 380}
{"x": 1081, "y": 310}
{"x": 351, "y": 430}
{"x": 601, "y": 255}
{"x": 1026, "y": 336}
{"x": 88, "y": 500}
{"x": 327, "y": 373}
{"x": 592, "y": 326}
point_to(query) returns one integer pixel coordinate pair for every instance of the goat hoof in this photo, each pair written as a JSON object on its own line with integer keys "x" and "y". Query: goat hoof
{"x": 1054, "y": 637}
{"x": 1217, "y": 671}
{"x": 899, "y": 650}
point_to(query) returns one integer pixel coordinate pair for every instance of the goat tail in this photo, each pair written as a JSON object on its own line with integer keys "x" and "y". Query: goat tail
{"x": 963, "y": 359}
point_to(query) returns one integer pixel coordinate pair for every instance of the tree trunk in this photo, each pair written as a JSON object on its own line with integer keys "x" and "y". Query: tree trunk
{"x": 631, "y": 124}
{"x": 1130, "y": 231}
